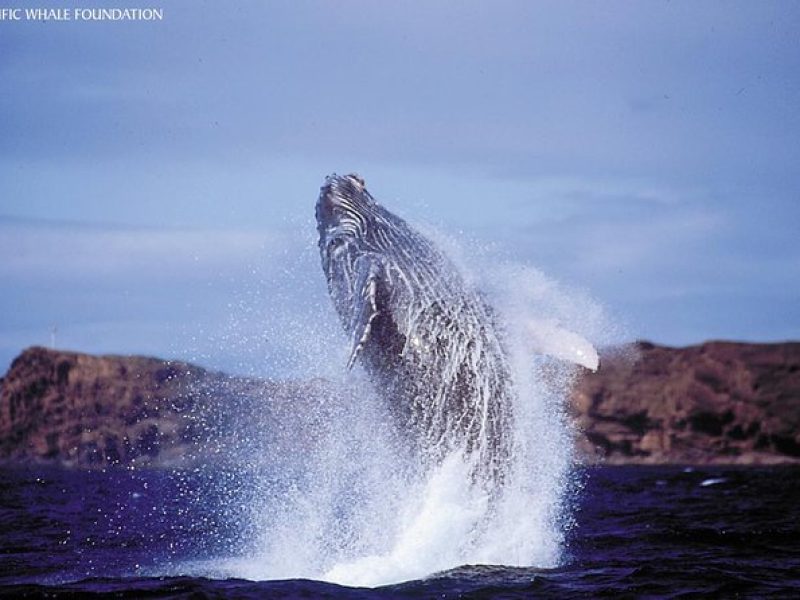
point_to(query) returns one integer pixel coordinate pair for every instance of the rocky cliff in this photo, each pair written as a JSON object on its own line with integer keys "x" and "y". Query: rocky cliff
{"x": 714, "y": 403}
{"x": 83, "y": 410}
{"x": 719, "y": 402}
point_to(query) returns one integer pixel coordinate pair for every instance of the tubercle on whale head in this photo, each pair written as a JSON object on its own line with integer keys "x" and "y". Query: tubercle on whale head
{"x": 353, "y": 179}
{"x": 339, "y": 195}
{"x": 342, "y": 209}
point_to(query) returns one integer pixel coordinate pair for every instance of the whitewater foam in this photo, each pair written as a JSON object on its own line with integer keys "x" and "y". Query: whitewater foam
{"x": 360, "y": 511}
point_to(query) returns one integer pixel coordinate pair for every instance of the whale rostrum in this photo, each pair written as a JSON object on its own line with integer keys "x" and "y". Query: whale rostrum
{"x": 427, "y": 339}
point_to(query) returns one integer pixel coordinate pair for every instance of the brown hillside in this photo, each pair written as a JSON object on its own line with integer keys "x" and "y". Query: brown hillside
{"x": 718, "y": 402}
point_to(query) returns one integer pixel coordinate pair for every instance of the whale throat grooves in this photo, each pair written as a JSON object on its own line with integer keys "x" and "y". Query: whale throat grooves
{"x": 427, "y": 339}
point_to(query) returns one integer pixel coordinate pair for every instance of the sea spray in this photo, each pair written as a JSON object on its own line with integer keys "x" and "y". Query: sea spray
{"x": 343, "y": 499}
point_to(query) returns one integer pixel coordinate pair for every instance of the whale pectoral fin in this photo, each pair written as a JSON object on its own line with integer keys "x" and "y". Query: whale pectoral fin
{"x": 550, "y": 339}
{"x": 365, "y": 309}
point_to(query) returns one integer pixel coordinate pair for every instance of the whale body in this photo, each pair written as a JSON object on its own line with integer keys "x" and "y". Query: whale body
{"x": 428, "y": 340}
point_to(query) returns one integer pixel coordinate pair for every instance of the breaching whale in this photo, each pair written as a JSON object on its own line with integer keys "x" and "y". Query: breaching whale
{"x": 429, "y": 341}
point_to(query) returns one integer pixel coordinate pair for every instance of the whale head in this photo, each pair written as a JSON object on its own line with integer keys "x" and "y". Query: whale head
{"x": 345, "y": 222}
{"x": 341, "y": 209}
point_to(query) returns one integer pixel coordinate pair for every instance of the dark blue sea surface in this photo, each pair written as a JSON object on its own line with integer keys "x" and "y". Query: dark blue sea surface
{"x": 639, "y": 532}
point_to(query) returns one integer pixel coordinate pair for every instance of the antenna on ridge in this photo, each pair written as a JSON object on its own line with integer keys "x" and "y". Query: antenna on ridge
{"x": 53, "y": 333}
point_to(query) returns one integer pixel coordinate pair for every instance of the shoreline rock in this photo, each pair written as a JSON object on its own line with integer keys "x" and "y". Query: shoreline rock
{"x": 714, "y": 403}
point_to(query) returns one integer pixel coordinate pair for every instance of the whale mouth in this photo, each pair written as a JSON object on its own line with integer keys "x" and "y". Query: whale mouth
{"x": 342, "y": 205}
{"x": 351, "y": 179}
{"x": 331, "y": 195}
{"x": 342, "y": 191}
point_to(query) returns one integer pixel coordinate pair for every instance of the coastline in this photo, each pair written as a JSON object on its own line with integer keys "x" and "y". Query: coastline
{"x": 714, "y": 404}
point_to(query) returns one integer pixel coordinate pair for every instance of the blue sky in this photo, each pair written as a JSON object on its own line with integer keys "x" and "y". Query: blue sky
{"x": 157, "y": 180}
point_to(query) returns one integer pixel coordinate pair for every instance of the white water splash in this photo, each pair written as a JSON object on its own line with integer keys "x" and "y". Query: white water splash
{"x": 354, "y": 508}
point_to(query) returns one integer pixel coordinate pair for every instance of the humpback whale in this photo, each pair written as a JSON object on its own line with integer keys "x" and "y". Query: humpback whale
{"x": 428, "y": 340}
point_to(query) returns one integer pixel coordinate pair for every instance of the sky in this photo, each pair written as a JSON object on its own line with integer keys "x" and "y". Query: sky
{"x": 158, "y": 179}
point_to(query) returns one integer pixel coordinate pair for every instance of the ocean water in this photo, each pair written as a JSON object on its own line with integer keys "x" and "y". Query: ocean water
{"x": 330, "y": 487}
{"x": 323, "y": 496}
{"x": 634, "y": 532}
